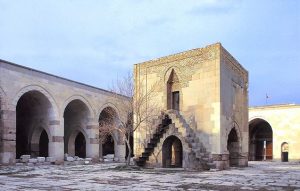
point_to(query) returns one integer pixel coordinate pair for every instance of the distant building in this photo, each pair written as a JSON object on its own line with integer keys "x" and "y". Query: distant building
{"x": 274, "y": 132}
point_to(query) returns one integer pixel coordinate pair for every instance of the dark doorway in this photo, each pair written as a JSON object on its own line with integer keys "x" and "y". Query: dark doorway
{"x": 108, "y": 147}
{"x": 260, "y": 140}
{"x": 43, "y": 144}
{"x": 172, "y": 153}
{"x": 80, "y": 146}
{"x": 233, "y": 148}
{"x": 175, "y": 100}
{"x": 285, "y": 152}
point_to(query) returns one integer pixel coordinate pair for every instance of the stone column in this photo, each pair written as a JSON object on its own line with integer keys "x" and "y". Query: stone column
{"x": 56, "y": 141}
{"x": 120, "y": 152}
{"x": 92, "y": 144}
{"x": 120, "y": 147}
{"x": 8, "y": 137}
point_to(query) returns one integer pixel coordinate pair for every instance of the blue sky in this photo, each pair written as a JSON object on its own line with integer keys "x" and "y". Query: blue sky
{"x": 95, "y": 41}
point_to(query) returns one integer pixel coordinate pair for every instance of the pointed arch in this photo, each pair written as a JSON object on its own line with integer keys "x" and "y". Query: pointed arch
{"x": 173, "y": 90}
{"x": 35, "y": 142}
{"x": 82, "y": 99}
{"x": 71, "y": 144}
{"x": 55, "y": 111}
{"x": 35, "y": 109}
{"x": 171, "y": 70}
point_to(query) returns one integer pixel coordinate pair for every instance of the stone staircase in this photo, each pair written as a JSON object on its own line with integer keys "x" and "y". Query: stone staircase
{"x": 199, "y": 158}
{"x": 198, "y": 152}
{"x": 152, "y": 143}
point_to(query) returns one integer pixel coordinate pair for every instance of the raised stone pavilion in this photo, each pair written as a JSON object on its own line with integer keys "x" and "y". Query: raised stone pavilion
{"x": 203, "y": 96}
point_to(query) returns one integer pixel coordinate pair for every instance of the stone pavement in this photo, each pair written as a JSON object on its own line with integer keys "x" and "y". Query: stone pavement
{"x": 258, "y": 176}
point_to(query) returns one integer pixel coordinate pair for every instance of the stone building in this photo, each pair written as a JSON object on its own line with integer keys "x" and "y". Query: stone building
{"x": 274, "y": 132}
{"x": 46, "y": 115}
{"x": 200, "y": 120}
{"x": 203, "y": 94}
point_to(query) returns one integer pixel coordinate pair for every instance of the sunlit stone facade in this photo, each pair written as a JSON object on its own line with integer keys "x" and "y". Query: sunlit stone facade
{"x": 205, "y": 93}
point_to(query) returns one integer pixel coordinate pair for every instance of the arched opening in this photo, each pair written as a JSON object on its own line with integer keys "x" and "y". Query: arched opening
{"x": 172, "y": 153}
{"x": 108, "y": 147}
{"x": 173, "y": 91}
{"x": 233, "y": 147}
{"x": 260, "y": 140}
{"x": 76, "y": 117}
{"x": 107, "y": 125}
{"x": 80, "y": 145}
{"x": 44, "y": 144}
{"x": 32, "y": 111}
{"x": 285, "y": 152}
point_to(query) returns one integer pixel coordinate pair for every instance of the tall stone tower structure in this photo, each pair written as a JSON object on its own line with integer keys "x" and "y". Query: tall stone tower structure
{"x": 203, "y": 98}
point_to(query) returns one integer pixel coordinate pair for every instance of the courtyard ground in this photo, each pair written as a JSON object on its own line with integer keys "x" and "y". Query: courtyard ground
{"x": 258, "y": 176}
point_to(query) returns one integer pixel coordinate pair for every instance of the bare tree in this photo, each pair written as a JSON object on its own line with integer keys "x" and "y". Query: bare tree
{"x": 133, "y": 112}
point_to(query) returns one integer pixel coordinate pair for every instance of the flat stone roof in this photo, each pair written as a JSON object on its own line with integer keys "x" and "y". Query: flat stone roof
{"x": 58, "y": 79}
{"x": 275, "y": 106}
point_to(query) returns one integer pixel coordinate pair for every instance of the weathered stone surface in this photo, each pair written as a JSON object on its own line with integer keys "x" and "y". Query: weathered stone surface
{"x": 259, "y": 176}
{"x": 50, "y": 159}
{"x": 33, "y": 160}
{"x": 25, "y": 158}
{"x": 66, "y": 156}
{"x": 70, "y": 159}
{"x": 110, "y": 156}
{"x": 41, "y": 159}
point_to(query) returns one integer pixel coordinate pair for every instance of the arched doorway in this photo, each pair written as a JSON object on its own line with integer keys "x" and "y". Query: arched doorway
{"x": 44, "y": 144}
{"x": 260, "y": 140}
{"x": 80, "y": 145}
{"x": 172, "y": 153}
{"x": 32, "y": 111}
{"x": 285, "y": 152}
{"x": 233, "y": 147}
{"x": 76, "y": 117}
{"x": 107, "y": 134}
{"x": 173, "y": 91}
